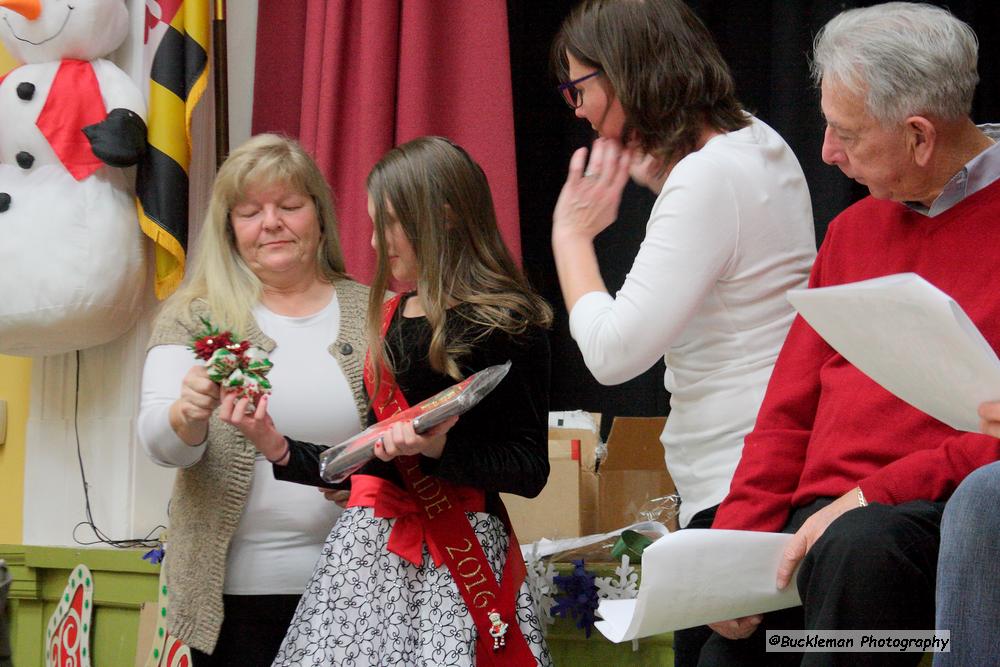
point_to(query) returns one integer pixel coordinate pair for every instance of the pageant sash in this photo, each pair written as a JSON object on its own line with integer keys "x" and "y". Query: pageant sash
{"x": 388, "y": 501}
{"x": 448, "y": 532}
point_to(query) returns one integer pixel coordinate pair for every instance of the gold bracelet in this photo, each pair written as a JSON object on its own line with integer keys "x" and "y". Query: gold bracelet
{"x": 861, "y": 499}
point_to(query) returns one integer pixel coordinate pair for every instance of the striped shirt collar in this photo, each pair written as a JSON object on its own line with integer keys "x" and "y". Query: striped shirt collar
{"x": 977, "y": 173}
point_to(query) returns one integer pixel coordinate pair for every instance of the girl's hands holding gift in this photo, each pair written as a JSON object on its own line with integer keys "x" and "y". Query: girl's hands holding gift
{"x": 402, "y": 440}
{"x": 256, "y": 425}
{"x": 190, "y": 412}
{"x": 338, "y": 496}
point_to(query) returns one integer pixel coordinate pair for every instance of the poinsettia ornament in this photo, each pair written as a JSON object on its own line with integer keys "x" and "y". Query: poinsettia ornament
{"x": 233, "y": 364}
{"x": 221, "y": 364}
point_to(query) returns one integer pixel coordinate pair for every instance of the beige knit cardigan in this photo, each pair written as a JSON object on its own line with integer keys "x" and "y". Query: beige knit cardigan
{"x": 209, "y": 496}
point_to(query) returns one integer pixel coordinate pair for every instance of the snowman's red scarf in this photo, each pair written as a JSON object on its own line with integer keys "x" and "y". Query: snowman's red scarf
{"x": 447, "y": 526}
{"x": 74, "y": 102}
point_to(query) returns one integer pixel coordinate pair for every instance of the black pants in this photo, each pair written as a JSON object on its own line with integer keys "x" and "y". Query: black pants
{"x": 688, "y": 642}
{"x": 252, "y": 630}
{"x": 873, "y": 568}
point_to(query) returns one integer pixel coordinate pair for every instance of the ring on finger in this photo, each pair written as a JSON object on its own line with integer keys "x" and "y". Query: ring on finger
{"x": 591, "y": 174}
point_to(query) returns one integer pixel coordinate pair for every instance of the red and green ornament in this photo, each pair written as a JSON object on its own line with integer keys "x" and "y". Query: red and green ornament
{"x": 233, "y": 364}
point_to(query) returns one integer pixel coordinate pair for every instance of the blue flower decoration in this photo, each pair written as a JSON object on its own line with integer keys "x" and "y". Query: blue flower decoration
{"x": 577, "y": 597}
{"x": 154, "y": 556}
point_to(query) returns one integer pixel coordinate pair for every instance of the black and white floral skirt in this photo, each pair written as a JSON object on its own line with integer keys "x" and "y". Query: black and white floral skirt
{"x": 366, "y": 606}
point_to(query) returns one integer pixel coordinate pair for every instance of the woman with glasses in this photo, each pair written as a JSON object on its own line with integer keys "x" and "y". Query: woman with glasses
{"x": 730, "y": 232}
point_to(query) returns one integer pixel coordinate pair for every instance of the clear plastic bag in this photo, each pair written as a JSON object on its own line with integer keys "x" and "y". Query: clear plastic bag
{"x": 338, "y": 462}
{"x": 652, "y": 520}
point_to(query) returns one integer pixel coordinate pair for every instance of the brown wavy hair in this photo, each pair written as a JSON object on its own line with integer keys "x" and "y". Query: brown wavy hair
{"x": 661, "y": 63}
{"x": 442, "y": 200}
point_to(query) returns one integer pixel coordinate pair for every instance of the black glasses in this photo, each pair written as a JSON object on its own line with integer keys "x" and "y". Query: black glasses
{"x": 572, "y": 94}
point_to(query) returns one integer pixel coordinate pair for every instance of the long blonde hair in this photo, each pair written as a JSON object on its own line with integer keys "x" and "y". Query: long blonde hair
{"x": 442, "y": 200}
{"x": 218, "y": 273}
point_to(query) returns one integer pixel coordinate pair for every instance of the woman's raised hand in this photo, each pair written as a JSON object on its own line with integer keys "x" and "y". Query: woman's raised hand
{"x": 588, "y": 202}
{"x": 190, "y": 412}
{"x": 256, "y": 425}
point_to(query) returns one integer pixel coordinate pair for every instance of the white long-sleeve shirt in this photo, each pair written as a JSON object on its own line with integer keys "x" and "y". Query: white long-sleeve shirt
{"x": 283, "y": 525}
{"x": 730, "y": 233}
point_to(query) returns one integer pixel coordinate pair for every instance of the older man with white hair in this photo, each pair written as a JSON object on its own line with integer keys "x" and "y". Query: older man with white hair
{"x": 859, "y": 477}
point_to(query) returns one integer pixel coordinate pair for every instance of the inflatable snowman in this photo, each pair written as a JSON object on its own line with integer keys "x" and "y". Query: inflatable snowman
{"x": 72, "y": 259}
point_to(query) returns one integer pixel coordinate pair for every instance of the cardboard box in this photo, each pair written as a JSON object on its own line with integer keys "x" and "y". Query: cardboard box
{"x": 581, "y": 426}
{"x": 555, "y": 512}
{"x": 582, "y": 497}
{"x": 632, "y": 472}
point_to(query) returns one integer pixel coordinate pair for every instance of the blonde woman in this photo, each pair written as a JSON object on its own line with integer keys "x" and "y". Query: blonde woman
{"x": 269, "y": 268}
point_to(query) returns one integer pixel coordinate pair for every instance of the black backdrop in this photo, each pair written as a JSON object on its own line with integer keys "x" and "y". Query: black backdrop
{"x": 766, "y": 44}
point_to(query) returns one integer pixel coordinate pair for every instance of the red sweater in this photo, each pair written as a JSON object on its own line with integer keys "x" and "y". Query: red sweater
{"x": 824, "y": 427}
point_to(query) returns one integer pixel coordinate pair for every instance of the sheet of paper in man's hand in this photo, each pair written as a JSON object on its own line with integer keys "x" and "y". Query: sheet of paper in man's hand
{"x": 912, "y": 339}
{"x": 697, "y": 576}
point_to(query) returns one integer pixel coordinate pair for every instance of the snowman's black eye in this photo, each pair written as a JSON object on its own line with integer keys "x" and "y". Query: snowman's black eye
{"x": 25, "y": 90}
{"x": 25, "y": 159}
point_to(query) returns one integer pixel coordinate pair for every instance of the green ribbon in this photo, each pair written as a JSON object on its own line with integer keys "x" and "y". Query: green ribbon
{"x": 631, "y": 543}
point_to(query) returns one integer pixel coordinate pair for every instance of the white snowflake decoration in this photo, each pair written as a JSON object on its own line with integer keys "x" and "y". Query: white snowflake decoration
{"x": 539, "y": 577}
{"x": 623, "y": 587}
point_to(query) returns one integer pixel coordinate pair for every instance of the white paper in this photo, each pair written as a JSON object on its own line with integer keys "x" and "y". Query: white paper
{"x": 697, "y": 576}
{"x": 912, "y": 339}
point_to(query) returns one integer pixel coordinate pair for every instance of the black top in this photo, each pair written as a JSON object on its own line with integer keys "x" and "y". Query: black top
{"x": 501, "y": 444}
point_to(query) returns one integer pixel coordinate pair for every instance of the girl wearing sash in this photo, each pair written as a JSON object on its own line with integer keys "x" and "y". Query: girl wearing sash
{"x": 422, "y": 568}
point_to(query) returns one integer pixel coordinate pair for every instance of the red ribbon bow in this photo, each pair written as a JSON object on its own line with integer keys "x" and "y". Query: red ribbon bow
{"x": 388, "y": 501}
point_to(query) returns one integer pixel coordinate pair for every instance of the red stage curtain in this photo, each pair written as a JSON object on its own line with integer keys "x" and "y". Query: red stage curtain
{"x": 353, "y": 78}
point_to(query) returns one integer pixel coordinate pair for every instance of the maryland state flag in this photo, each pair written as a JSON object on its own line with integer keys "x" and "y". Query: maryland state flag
{"x": 176, "y": 60}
